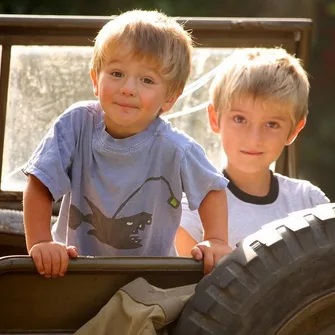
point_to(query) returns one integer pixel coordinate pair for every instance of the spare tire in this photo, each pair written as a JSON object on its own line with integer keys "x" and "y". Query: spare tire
{"x": 280, "y": 280}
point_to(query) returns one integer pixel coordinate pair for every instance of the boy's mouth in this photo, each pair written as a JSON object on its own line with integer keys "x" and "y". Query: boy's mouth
{"x": 123, "y": 105}
{"x": 252, "y": 153}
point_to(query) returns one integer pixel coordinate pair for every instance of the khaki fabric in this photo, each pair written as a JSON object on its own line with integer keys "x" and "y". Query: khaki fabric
{"x": 139, "y": 309}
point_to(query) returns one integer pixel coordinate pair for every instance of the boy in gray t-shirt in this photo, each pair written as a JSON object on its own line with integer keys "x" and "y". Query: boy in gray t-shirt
{"x": 119, "y": 167}
{"x": 259, "y": 104}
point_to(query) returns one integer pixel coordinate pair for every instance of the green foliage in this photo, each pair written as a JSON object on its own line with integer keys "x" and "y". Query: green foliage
{"x": 331, "y": 8}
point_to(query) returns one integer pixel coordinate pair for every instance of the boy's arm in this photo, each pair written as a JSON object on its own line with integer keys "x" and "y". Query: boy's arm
{"x": 184, "y": 242}
{"x": 214, "y": 216}
{"x": 37, "y": 208}
{"x": 190, "y": 231}
{"x": 50, "y": 258}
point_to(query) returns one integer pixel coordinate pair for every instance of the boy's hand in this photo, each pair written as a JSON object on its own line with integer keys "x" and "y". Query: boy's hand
{"x": 51, "y": 258}
{"x": 211, "y": 251}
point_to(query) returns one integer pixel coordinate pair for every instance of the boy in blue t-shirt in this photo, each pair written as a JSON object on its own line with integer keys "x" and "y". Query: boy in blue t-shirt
{"x": 120, "y": 168}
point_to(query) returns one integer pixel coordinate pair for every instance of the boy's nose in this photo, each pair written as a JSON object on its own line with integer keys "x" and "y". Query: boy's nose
{"x": 128, "y": 88}
{"x": 255, "y": 136}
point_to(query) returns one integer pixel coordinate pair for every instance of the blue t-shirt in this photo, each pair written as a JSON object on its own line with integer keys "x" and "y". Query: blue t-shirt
{"x": 120, "y": 196}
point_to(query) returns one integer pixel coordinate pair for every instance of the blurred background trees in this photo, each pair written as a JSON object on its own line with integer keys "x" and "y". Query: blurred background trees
{"x": 317, "y": 143}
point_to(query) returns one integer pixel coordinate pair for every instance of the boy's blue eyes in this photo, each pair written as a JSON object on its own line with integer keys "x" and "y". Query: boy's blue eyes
{"x": 273, "y": 125}
{"x": 145, "y": 80}
{"x": 117, "y": 74}
{"x": 241, "y": 119}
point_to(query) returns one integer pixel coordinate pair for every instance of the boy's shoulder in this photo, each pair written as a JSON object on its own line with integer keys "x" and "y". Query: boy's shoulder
{"x": 79, "y": 114}
{"x": 294, "y": 182}
{"x": 83, "y": 108}
{"x": 294, "y": 185}
{"x": 178, "y": 138}
{"x": 300, "y": 191}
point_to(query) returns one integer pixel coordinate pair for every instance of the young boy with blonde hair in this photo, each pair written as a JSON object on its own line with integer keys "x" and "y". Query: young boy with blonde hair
{"x": 259, "y": 104}
{"x": 120, "y": 168}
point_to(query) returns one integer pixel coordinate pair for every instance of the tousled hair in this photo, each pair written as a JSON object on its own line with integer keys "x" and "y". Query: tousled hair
{"x": 266, "y": 74}
{"x": 150, "y": 35}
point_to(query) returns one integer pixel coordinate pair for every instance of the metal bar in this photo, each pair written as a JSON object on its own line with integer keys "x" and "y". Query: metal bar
{"x": 82, "y": 22}
{"x": 202, "y": 39}
{"x": 30, "y": 29}
{"x": 303, "y": 41}
{"x": 288, "y": 162}
{"x": 303, "y": 45}
{"x": 110, "y": 264}
{"x": 4, "y": 80}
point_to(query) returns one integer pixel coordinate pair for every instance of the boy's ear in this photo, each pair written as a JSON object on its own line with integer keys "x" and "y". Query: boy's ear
{"x": 213, "y": 118}
{"x": 169, "y": 102}
{"x": 94, "y": 79}
{"x": 296, "y": 131}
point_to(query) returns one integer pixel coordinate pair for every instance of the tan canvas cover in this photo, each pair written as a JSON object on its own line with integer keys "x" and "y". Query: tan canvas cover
{"x": 139, "y": 309}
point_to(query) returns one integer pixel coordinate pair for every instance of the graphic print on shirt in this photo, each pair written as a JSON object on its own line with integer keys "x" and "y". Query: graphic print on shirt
{"x": 123, "y": 232}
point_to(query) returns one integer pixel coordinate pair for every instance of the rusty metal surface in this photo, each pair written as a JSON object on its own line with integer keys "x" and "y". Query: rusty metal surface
{"x": 79, "y": 22}
{"x": 88, "y": 285}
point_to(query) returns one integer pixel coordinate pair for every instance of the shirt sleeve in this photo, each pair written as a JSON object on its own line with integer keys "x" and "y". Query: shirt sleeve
{"x": 52, "y": 159}
{"x": 191, "y": 222}
{"x": 199, "y": 176}
{"x": 317, "y": 196}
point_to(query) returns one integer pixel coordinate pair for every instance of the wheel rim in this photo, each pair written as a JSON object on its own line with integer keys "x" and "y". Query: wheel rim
{"x": 317, "y": 318}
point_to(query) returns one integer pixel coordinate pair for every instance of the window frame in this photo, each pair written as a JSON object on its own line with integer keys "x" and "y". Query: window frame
{"x": 292, "y": 34}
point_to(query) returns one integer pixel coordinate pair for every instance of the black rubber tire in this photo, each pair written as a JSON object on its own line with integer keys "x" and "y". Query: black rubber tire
{"x": 271, "y": 276}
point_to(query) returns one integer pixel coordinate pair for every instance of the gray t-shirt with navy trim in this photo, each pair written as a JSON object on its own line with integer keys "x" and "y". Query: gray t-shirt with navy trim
{"x": 120, "y": 196}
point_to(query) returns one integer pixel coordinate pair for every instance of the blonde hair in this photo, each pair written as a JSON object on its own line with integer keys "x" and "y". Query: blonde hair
{"x": 150, "y": 35}
{"x": 266, "y": 74}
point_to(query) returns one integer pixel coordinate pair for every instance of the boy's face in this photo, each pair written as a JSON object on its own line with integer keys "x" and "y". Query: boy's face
{"x": 132, "y": 94}
{"x": 253, "y": 133}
